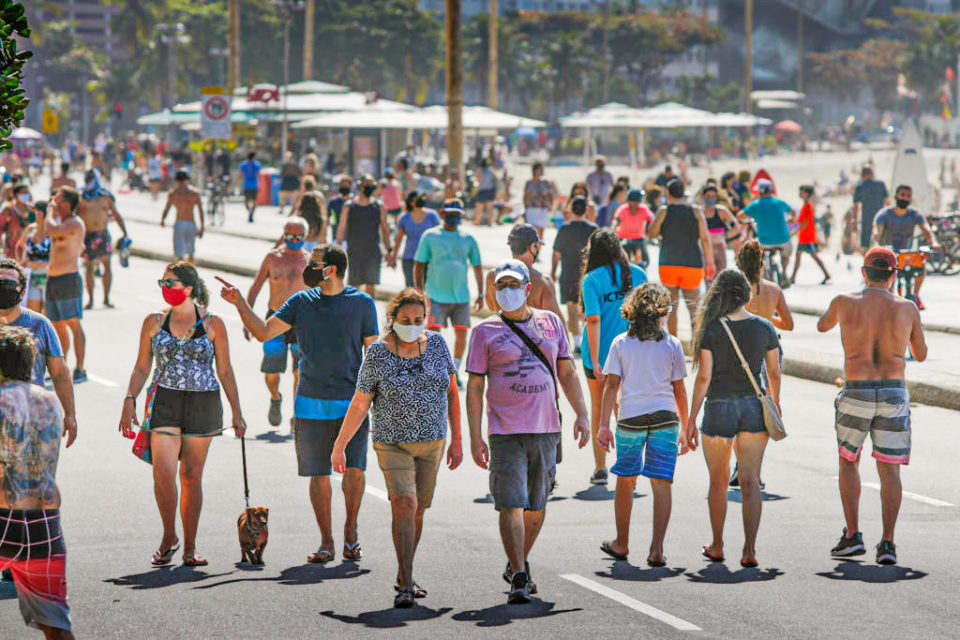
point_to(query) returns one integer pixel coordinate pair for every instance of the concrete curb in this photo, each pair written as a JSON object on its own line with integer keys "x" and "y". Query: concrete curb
{"x": 920, "y": 392}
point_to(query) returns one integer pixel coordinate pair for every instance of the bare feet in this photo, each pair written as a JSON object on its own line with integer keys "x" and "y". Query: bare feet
{"x": 108, "y": 304}
{"x": 89, "y": 305}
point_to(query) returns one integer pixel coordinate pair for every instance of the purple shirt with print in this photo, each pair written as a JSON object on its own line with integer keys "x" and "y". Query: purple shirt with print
{"x": 520, "y": 390}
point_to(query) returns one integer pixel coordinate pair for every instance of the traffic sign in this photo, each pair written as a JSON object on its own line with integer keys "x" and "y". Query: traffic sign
{"x": 50, "y": 121}
{"x": 215, "y": 113}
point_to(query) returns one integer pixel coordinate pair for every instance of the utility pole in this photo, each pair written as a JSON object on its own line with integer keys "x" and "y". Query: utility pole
{"x": 286, "y": 8}
{"x": 454, "y": 87}
{"x": 799, "y": 46}
{"x": 233, "y": 63}
{"x": 493, "y": 58}
{"x": 605, "y": 89}
{"x": 748, "y": 55}
{"x": 308, "y": 23}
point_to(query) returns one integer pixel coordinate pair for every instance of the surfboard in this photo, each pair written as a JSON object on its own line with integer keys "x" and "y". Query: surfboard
{"x": 909, "y": 168}
{"x": 761, "y": 175}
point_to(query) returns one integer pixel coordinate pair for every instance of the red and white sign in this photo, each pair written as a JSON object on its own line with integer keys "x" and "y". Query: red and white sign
{"x": 263, "y": 94}
{"x": 215, "y": 114}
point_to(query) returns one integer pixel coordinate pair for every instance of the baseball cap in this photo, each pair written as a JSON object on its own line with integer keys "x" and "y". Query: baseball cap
{"x": 635, "y": 195}
{"x": 522, "y": 236}
{"x": 512, "y": 269}
{"x": 880, "y": 258}
{"x": 579, "y": 205}
{"x": 764, "y": 186}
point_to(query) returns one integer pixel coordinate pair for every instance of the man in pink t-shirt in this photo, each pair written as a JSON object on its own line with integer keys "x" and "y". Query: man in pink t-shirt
{"x": 522, "y": 412}
{"x": 391, "y": 193}
{"x": 630, "y": 223}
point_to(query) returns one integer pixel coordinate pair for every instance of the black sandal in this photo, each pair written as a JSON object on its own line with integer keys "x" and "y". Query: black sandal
{"x": 418, "y": 591}
{"x": 404, "y": 599}
{"x": 161, "y": 558}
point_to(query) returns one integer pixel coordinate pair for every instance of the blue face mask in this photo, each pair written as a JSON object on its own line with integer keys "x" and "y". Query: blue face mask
{"x": 294, "y": 246}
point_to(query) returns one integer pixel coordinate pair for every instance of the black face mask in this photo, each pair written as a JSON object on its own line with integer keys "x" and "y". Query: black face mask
{"x": 10, "y": 294}
{"x": 420, "y": 203}
{"x": 344, "y": 191}
{"x": 451, "y": 220}
{"x": 312, "y": 277}
{"x": 902, "y": 204}
{"x": 368, "y": 190}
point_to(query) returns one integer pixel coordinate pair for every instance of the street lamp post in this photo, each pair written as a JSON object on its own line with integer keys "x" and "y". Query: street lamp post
{"x": 222, "y": 54}
{"x": 286, "y": 8}
{"x": 172, "y": 35}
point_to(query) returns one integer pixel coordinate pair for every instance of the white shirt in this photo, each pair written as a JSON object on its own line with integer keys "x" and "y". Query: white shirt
{"x": 647, "y": 370}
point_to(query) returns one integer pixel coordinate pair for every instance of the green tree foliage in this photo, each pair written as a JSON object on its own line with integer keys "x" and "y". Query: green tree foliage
{"x": 876, "y": 62}
{"x": 703, "y": 92}
{"x": 13, "y": 102}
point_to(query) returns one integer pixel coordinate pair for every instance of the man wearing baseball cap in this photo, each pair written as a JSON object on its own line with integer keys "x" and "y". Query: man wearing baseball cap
{"x": 876, "y": 328}
{"x": 520, "y": 356}
{"x": 525, "y": 246}
{"x": 568, "y": 250}
{"x": 771, "y": 215}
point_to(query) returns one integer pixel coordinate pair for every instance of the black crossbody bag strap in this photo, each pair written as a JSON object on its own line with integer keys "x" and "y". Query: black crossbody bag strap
{"x": 536, "y": 351}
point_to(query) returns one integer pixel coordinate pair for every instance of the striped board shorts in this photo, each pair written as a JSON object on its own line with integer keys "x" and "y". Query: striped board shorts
{"x": 647, "y": 446}
{"x": 32, "y": 548}
{"x": 880, "y": 407}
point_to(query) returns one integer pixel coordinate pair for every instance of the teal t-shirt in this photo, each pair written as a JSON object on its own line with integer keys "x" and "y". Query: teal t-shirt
{"x": 770, "y": 214}
{"x": 447, "y": 254}
{"x": 603, "y": 297}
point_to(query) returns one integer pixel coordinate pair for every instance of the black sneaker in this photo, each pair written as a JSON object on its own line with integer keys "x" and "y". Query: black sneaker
{"x": 273, "y": 416}
{"x": 886, "y": 553}
{"x": 519, "y": 588}
{"x": 508, "y": 577}
{"x": 852, "y": 546}
{"x": 79, "y": 376}
{"x": 599, "y": 477}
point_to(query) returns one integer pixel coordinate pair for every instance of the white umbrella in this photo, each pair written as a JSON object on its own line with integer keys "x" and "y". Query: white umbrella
{"x": 26, "y": 133}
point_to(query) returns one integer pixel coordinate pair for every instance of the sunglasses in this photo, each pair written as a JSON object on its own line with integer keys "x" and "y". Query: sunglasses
{"x": 168, "y": 282}
{"x": 503, "y": 284}
{"x": 316, "y": 264}
{"x": 293, "y": 237}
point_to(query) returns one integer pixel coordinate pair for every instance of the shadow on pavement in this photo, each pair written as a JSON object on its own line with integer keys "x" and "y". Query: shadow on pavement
{"x": 623, "y": 570}
{"x": 163, "y": 577}
{"x": 503, "y": 614}
{"x": 390, "y": 618}
{"x": 873, "y": 573}
{"x": 274, "y": 437}
{"x": 733, "y": 495}
{"x": 301, "y": 575}
{"x": 719, "y": 573}
{"x": 599, "y": 492}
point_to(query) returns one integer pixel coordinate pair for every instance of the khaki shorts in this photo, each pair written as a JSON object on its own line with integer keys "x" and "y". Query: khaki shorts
{"x": 411, "y": 467}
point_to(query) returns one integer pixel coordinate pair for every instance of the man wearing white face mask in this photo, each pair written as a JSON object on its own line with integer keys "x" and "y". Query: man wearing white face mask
{"x": 523, "y": 353}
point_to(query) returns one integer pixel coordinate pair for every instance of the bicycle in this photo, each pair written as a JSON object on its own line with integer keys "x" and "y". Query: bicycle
{"x": 773, "y": 267}
{"x": 216, "y": 200}
{"x": 910, "y": 264}
{"x": 946, "y": 260}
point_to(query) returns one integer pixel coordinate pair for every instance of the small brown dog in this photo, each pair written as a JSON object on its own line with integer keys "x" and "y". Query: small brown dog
{"x": 252, "y": 530}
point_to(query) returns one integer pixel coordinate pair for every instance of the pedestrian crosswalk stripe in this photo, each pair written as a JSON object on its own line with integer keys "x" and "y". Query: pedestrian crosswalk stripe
{"x": 636, "y": 605}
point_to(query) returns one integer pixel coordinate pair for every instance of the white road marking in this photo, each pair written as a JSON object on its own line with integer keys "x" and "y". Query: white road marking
{"x": 99, "y": 380}
{"x": 909, "y": 494}
{"x": 627, "y": 601}
{"x": 374, "y": 491}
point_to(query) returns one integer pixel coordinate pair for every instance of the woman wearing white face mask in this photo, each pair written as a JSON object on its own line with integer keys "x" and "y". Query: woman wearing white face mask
{"x": 409, "y": 379}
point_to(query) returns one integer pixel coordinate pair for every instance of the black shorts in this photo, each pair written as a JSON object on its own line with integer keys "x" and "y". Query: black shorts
{"x": 569, "y": 290}
{"x": 195, "y": 413}
{"x": 807, "y": 247}
{"x": 363, "y": 268}
{"x": 289, "y": 183}
{"x": 251, "y": 194}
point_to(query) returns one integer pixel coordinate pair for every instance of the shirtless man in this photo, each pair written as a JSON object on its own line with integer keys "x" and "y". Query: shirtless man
{"x": 525, "y": 245}
{"x": 184, "y": 198}
{"x": 97, "y": 208}
{"x": 64, "y": 179}
{"x": 876, "y": 327}
{"x": 283, "y": 267}
{"x": 64, "y": 304}
{"x": 31, "y": 542}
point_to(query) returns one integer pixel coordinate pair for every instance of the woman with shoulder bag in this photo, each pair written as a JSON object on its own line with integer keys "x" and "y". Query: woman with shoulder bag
{"x": 191, "y": 352}
{"x": 734, "y": 410}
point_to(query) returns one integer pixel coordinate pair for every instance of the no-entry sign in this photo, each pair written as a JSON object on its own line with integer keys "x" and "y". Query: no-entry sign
{"x": 215, "y": 114}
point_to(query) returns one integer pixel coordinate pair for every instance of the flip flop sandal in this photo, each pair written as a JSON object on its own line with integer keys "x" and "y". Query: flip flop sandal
{"x": 404, "y": 599}
{"x": 194, "y": 561}
{"x": 706, "y": 554}
{"x": 352, "y": 551}
{"x": 161, "y": 558}
{"x": 607, "y": 548}
{"x": 656, "y": 563}
{"x": 418, "y": 591}
{"x": 322, "y": 556}
{"x": 749, "y": 565}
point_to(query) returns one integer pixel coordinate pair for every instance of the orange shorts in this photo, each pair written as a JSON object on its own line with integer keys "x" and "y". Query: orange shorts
{"x": 683, "y": 277}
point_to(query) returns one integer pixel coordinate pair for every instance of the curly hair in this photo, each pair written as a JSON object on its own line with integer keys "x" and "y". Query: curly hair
{"x": 188, "y": 275}
{"x": 18, "y": 349}
{"x": 604, "y": 250}
{"x": 643, "y": 310}
{"x": 729, "y": 291}
{"x": 750, "y": 260}
{"x": 409, "y": 295}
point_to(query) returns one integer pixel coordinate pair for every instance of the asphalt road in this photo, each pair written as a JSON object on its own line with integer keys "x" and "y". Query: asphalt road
{"x": 112, "y": 528}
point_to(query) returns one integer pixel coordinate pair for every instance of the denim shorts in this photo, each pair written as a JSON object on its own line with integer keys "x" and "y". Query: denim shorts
{"x": 725, "y": 417}
{"x": 522, "y": 469}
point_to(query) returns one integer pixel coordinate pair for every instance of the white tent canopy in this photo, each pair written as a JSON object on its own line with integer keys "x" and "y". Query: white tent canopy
{"x": 474, "y": 117}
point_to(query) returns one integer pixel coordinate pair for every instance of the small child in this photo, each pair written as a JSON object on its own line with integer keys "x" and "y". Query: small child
{"x": 644, "y": 374}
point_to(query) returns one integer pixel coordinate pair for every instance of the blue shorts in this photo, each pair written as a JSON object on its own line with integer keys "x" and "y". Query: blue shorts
{"x": 314, "y": 443}
{"x": 725, "y": 417}
{"x": 64, "y": 297}
{"x": 650, "y": 452}
{"x": 275, "y": 351}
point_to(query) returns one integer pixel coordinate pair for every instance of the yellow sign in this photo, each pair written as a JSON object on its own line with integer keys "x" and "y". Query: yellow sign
{"x": 51, "y": 121}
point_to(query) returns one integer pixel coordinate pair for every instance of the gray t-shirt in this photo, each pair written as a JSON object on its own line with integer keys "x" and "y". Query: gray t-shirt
{"x": 647, "y": 370}
{"x": 898, "y": 230}
{"x": 870, "y": 194}
{"x": 48, "y": 344}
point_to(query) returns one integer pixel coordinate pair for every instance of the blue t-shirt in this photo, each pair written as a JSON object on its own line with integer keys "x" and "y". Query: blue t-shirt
{"x": 447, "y": 253}
{"x": 48, "y": 344}
{"x": 413, "y": 231}
{"x": 251, "y": 174}
{"x": 770, "y": 214}
{"x": 604, "y": 298}
{"x": 330, "y": 332}
{"x": 898, "y": 230}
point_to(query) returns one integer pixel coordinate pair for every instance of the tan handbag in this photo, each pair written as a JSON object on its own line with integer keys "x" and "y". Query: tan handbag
{"x": 772, "y": 419}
